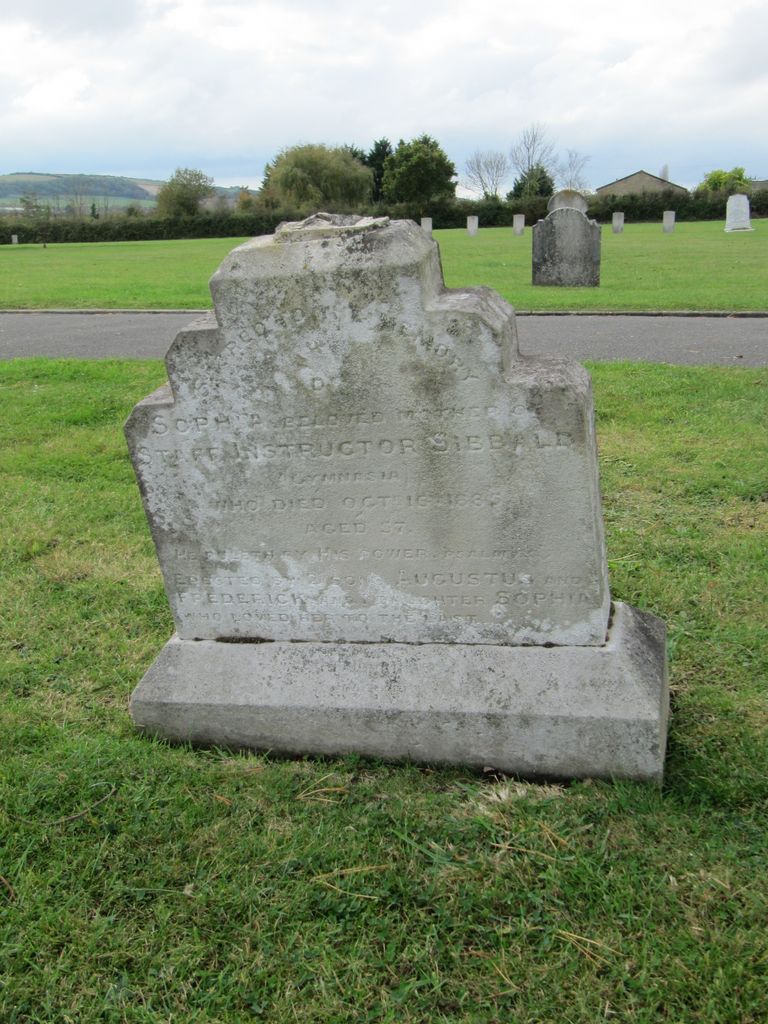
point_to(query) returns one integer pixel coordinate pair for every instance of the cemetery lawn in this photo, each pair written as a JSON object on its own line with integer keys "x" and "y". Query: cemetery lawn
{"x": 698, "y": 267}
{"x": 145, "y": 883}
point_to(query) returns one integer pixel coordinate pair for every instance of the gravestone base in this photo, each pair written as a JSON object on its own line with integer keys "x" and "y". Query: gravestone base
{"x": 554, "y": 712}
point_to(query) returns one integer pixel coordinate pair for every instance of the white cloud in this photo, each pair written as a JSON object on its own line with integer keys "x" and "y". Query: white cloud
{"x": 147, "y": 86}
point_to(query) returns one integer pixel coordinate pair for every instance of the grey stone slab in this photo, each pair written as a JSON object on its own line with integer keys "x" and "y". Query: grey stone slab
{"x": 617, "y": 223}
{"x": 518, "y": 223}
{"x": 472, "y": 226}
{"x": 567, "y": 199}
{"x": 566, "y": 250}
{"x": 379, "y": 525}
{"x": 737, "y": 214}
{"x": 570, "y": 712}
{"x": 668, "y": 221}
{"x": 426, "y": 226}
{"x": 350, "y": 452}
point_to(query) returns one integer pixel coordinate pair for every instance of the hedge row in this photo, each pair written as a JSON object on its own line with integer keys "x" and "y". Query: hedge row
{"x": 445, "y": 214}
{"x": 135, "y": 229}
{"x": 650, "y": 206}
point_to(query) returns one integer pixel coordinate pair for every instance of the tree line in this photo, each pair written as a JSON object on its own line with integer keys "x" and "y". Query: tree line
{"x": 410, "y": 179}
{"x": 346, "y": 177}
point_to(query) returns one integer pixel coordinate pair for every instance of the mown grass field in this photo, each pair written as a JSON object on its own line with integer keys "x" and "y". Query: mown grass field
{"x": 142, "y": 883}
{"x": 698, "y": 267}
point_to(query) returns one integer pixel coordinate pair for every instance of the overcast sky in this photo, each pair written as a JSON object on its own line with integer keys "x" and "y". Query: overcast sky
{"x": 141, "y": 87}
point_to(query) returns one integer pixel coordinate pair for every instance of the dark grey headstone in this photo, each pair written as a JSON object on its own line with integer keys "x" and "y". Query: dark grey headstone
{"x": 566, "y": 250}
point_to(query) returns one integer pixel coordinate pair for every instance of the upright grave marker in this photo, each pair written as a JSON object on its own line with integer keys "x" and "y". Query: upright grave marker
{"x": 472, "y": 226}
{"x": 355, "y": 476}
{"x": 426, "y": 226}
{"x": 737, "y": 214}
{"x": 617, "y": 223}
{"x": 518, "y": 223}
{"x": 668, "y": 221}
{"x": 14, "y": 239}
{"x": 566, "y": 245}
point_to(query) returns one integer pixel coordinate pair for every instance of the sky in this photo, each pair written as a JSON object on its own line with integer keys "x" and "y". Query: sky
{"x": 141, "y": 87}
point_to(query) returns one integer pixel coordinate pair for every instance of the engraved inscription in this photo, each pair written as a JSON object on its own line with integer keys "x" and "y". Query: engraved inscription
{"x": 362, "y": 457}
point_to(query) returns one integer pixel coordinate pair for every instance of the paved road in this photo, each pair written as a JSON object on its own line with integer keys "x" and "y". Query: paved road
{"x": 727, "y": 341}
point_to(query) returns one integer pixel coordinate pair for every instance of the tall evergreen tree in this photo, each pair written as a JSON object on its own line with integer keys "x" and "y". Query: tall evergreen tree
{"x": 375, "y": 158}
{"x": 535, "y": 182}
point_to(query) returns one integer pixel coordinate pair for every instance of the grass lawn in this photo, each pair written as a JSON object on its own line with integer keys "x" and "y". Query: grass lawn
{"x": 697, "y": 267}
{"x": 142, "y": 883}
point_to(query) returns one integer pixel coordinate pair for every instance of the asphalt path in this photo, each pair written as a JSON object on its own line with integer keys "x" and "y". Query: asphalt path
{"x": 684, "y": 340}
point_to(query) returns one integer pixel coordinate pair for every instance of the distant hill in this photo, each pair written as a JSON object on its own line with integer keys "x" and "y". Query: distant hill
{"x": 79, "y": 191}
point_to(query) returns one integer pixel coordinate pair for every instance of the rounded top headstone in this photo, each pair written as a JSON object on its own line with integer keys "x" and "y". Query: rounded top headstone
{"x": 737, "y": 213}
{"x": 567, "y": 199}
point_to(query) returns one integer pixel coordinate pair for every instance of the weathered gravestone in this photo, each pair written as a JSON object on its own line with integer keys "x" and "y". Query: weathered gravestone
{"x": 379, "y": 526}
{"x": 668, "y": 221}
{"x": 566, "y": 249}
{"x": 617, "y": 223}
{"x": 426, "y": 225}
{"x": 518, "y": 223}
{"x": 567, "y": 199}
{"x": 472, "y": 225}
{"x": 14, "y": 239}
{"x": 737, "y": 214}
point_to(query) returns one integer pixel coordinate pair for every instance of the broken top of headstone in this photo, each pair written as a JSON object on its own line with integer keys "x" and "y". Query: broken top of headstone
{"x": 567, "y": 199}
{"x": 737, "y": 213}
{"x": 351, "y": 456}
{"x": 327, "y": 225}
{"x": 347, "y": 451}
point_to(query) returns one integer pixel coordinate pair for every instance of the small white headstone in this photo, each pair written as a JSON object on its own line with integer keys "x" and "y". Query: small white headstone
{"x": 518, "y": 223}
{"x": 617, "y": 223}
{"x": 426, "y": 225}
{"x": 472, "y": 225}
{"x": 668, "y": 222}
{"x": 737, "y": 214}
{"x": 14, "y": 239}
{"x": 567, "y": 199}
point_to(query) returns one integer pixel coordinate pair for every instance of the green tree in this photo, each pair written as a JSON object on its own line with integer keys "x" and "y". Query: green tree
{"x": 317, "y": 175}
{"x": 418, "y": 171}
{"x": 375, "y": 158}
{"x": 355, "y": 151}
{"x": 182, "y": 194}
{"x": 735, "y": 180}
{"x": 535, "y": 182}
{"x": 246, "y": 200}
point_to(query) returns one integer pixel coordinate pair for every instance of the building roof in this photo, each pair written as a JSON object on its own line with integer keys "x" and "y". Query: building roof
{"x": 648, "y": 174}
